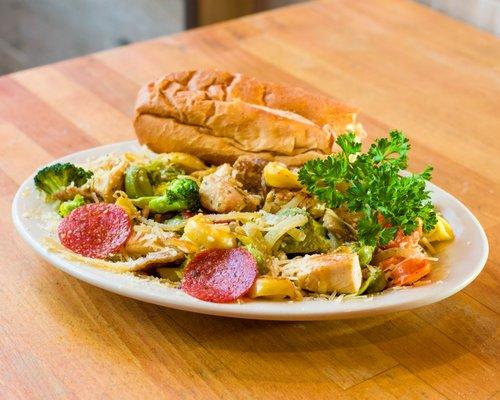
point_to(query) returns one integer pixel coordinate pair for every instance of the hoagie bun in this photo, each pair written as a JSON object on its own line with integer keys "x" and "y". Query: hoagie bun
{"x": 219, "y": 116}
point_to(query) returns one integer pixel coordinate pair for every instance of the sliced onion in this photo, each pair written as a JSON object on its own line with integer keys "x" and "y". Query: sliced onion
{"x": 297, "y": 234}
{"x": 294, "y": 202}
{"x": 427, "y": 245}
{"x": 283, "y": 227}
{"x": 403, "y": 252}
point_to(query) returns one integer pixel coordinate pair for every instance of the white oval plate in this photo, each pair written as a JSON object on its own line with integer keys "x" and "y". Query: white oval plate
{"x": 462, "y": 260}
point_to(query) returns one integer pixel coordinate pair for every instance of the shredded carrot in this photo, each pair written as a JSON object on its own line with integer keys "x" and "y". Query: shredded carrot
{"x": 401, "y": 240}
{"x": 384, "y": 265}
{"x": 410, "y": 271}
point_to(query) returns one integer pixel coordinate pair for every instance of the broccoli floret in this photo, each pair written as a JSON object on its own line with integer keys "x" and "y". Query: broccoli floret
{"x": 159, "y": 172}
{"x": 67, "y": 206}
{"x": 56, "y": 177}
{"x": 182, "y": 194}
{"x": 315, "y": 241}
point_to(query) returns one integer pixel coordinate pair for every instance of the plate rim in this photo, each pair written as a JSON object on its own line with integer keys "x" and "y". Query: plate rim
{"x": 235, "y": 310}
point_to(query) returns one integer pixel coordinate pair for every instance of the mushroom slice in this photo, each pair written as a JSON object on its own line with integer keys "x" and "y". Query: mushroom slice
{"x": 166, "y": 256}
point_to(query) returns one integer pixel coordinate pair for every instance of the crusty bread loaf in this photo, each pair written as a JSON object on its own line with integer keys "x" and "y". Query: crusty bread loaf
{"x": 219, "y": 116}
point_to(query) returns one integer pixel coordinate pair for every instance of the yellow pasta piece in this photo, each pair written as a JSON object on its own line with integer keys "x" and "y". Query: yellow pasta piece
{"x": 279, "y": 176}
{"x": 126, "y": 204}
{"x": 204, "y": 233}
{"x": 274, "y": 289}
{"x": 183, "y": 245}
{"x": 202, "y": 173}
{"x": 441, "y": 232}
{"x": 186, "y": 161}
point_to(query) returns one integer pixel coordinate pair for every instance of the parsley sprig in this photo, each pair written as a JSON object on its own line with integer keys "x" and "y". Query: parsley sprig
{"x": 371, "y": 184}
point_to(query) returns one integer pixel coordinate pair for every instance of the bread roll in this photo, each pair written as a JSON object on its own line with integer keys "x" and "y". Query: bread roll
{"x": 219, "y": 116}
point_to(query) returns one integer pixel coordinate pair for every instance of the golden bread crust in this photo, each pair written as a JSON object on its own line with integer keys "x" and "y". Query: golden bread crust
{"x": 219, "y": 116}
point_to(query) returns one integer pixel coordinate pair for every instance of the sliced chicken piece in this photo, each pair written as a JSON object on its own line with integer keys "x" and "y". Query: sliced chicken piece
{"x": 69, "y": 192}
{"x": 219, "y": 192}
{"x": 106, "y": 181}
{"x": 326, "y": 273}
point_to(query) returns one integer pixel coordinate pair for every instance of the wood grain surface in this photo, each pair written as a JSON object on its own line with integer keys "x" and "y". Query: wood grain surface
{"x": 406, "y": 67}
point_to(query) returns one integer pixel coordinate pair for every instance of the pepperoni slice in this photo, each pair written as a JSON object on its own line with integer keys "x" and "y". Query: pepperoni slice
{"x": 95, "y": 230}
{"x": 220, "y": 275}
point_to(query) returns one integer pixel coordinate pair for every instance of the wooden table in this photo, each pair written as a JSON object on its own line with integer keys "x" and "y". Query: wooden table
{"x": 405, "y": 66}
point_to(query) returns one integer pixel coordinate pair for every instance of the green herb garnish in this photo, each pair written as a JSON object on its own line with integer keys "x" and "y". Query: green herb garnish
{"x": 370, "y": 184}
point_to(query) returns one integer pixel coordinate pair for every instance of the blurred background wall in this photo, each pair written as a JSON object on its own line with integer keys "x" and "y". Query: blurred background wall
{"x": 484, "y": 14}
{"x": 36, "y": 32}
